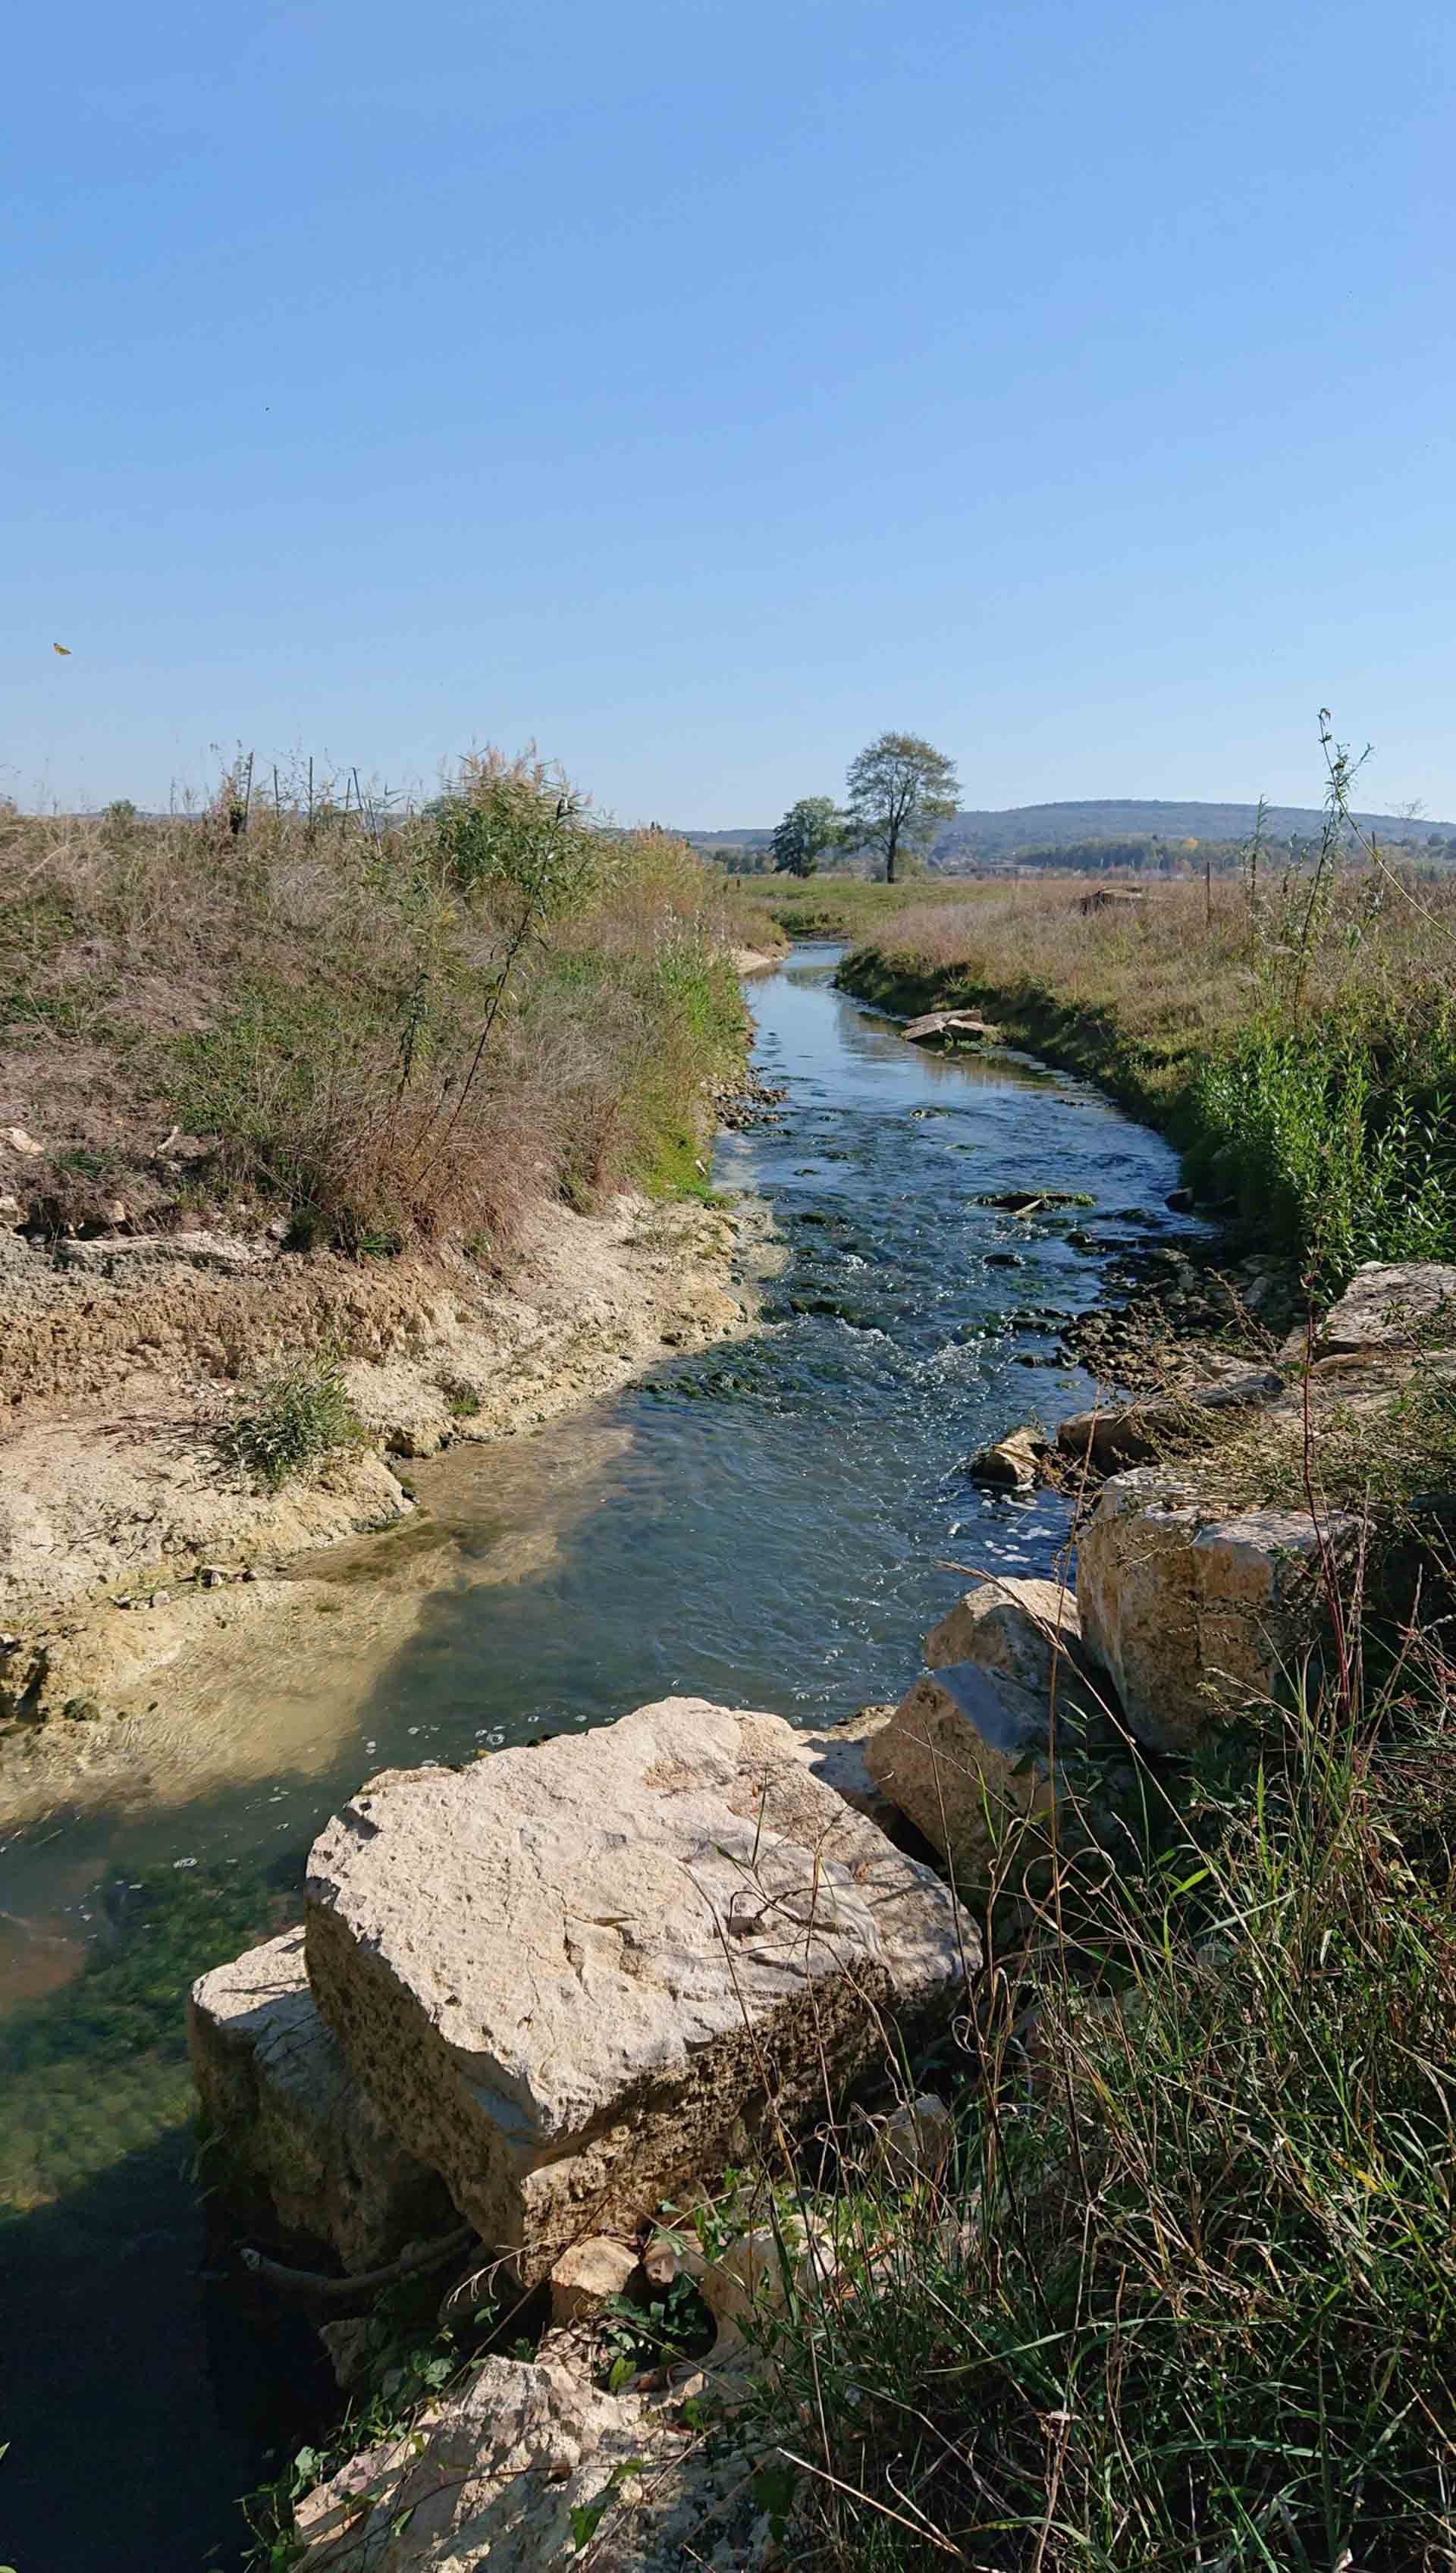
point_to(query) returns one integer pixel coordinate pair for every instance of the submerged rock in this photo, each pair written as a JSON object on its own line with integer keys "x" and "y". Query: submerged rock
{"x": 572, "y": 1971}
{"x": 1032, "y": 1201}
{"x": 293, "y": 2118}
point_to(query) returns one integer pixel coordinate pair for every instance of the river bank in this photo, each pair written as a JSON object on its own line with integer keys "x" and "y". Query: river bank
{"x": 1055, "y": 1738}
{"x": 1216, "y": 1792}
{"x": 129, "y": 1541}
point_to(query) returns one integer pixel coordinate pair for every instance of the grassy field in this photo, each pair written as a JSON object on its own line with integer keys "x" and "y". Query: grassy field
{"x": 1297, "y": 1042}
{"x": 383, "y": 1031}
{"x": 835, "y": 906}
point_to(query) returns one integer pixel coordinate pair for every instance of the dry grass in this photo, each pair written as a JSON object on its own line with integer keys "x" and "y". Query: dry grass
{"x": 348, "y": 1020}
{"x": 1178, "y": 972}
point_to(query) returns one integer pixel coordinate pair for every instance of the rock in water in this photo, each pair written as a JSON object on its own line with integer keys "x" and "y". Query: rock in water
{"x": 1012, "y": 1463}
{"x": 293, "y": 2120}
{"x": 570, "y": 1974}
{"x": 938, "y": 1025}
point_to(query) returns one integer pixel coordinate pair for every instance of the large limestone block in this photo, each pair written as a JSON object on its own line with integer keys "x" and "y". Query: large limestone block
{"x": 1192, "y": 1614}
{"x": 1387, "y": 1307}
{"x": 574, "y": 1971}
{"x": 837, "y": 1756}
{"x": 292, "y": 2117}
{"x": 1029, "y": 1630}
{"x": 965, "y": 1751}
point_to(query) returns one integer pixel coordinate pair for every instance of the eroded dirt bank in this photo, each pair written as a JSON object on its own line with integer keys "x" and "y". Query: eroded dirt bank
{"x": 127, "y": 1537}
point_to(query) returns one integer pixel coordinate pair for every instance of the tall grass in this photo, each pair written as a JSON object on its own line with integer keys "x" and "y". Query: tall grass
{"x": 1187, "y": 2297}
{"x": 394, "y": 1029}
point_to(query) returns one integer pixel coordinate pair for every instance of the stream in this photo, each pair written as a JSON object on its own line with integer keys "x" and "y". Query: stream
{"x": 769, "y": 1522}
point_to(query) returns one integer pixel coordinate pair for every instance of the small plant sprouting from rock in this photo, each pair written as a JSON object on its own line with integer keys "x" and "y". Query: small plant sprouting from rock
{"x": 300, "y": 1415}
{"x": 673, "y": 2323}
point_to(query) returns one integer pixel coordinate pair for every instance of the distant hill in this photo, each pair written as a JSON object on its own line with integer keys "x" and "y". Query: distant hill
{"x": 1024, "y": 826}
{"x": 976, "y": 837}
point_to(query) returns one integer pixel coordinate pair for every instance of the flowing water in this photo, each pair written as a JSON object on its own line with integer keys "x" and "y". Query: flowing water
{"x": 768, "y": 1523}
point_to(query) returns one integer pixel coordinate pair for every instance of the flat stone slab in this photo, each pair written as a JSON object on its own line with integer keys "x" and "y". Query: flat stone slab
{"x": 293, "y": 2118}
{"x": 574, "y": 1974}
{"x": 1386, "y": 1307}
{"x": 1137, "y": 1433}
{"x": 937, "y": 1024}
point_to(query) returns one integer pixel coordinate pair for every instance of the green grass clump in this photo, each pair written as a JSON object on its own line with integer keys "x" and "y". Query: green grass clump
{"x": 1328, "y": 1146}
{"x": 1190, "y": 2295}
{"x": 301, "y": 1415}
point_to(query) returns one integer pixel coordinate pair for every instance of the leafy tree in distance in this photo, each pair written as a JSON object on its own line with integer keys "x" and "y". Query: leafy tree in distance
{"x": 898, "y": 790}
{"x": 808, "y": 828}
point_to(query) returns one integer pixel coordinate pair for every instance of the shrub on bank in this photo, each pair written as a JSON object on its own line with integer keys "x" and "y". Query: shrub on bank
{"x": 395, "y": 1028}
{"x": 297, "y": 1416}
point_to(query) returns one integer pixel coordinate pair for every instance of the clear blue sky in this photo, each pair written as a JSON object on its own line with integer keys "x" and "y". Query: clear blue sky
{"x": 701, "y": 388}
